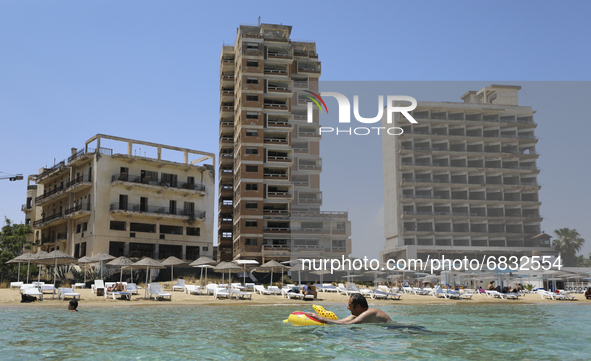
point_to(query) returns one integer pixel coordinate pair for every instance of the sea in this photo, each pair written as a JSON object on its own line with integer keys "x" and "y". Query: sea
{"x": 443, "y": 332}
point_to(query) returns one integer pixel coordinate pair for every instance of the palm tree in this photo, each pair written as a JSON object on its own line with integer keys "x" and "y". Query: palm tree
{"x": 568, "y": 243}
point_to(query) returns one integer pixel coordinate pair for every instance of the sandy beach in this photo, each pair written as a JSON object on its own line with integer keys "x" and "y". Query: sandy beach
{"x": 11, "y": 298}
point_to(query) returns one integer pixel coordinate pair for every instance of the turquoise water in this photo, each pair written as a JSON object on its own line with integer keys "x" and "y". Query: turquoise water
{"x": 487, "y": 332}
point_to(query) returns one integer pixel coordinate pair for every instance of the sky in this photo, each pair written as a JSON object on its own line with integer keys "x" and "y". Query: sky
{"x": 149, "y": 70}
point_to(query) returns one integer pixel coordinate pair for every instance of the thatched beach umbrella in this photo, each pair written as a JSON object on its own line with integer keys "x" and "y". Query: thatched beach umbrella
{"x": 57, "y": 257}
{"x": 271, "y": 265}
{"x": 38, "y": 259}
{"x": 230, "y": 267}
{"x": 148, "y": 263}
{"x": 100, "y": 257}
{"x": 84, "y": 260}
{"x": 25, "y": 257}
{"x": 172, "y": 261}
{"x": 121, "y": 262}
{"x": 203, "y": 262}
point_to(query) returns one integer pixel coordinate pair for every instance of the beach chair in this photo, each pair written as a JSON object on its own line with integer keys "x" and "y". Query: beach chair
{"x": 98, "y": 284}
{"x": 33, "y": 291}
{"x": 394, "y": 296}
{"x": 239, "y": 294}
{"x": 16, "y": 284}
{"x": 327, "y": 287}
{"x": 249, "y": 286}
{"x": 276, "y": 290}
{"x": 290, "y": 294}
{"x": 64, "y": 292}
{"x": 373, "y": 295}
{"x": 439, "y": 292}
{"x": 132, "y": 288}
{"x": 193, "y": 290}
{"x": 221, "y": 292}
{"x": 47, "y": 288}
{"x": 81, "y": 285}
{"x": 180, "y": 285}
{"x": 237, "y": 286}
{"x": 210, "y": 288}
{"x": 262, "y": 291}
{"x": 157, "y": 293}
{"x": 342, "y": 289}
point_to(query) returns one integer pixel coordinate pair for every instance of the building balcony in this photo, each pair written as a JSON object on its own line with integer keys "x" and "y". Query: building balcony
{"x": 226, "y": 173}
{"x": 275, "y": 250}
{"x": 48, "y": 173}
{"x": 278, "y": 123}
{"x": 227, "y": 158}
{"x": 275, "y": 72}
{"x": 308, "y": 134}
{"x": 278, "y": 159}
{"x": 54, "y": 219}
{"x": 52, "y": 195}
{"x": 227, "y": 125}
{"x": 227, "y": 140}
{"x": 275, "y": 105}
{"x": 128, "y": 208}
{"x": 279, "y": 176}
{"x": 78, "y": 184}
{"x": 273, "y": 140}
{"x": 278, "y": 54}
{"x": 278, "y": 89}
{"x": 280, "y": 195}
{"x": 77, "y": 211}
{"x": 150, "y": 183}
{"x": 309, "y": 167}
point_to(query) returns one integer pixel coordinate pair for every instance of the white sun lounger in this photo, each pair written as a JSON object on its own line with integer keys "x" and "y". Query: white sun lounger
{"x": 327, "y": 287}
{"x": 64, "y": 292}
{"x": 239, "y": 294}
{"x": 193, "y": 290}
{"x": 180, "y": 285}
{"x": 373, "y": 295}
{"x": 16, "y": 284}
{"x": 276, "y": 290}
{"x": 394, "y": 296}
{"x": 132, "y": 288}
{"x": 97, "y": 284}
{"x": 33, "y": 291}
{"x": 261, "y": 290}
{"x": 157, "y": 293}
{"x": 221, "y": 292}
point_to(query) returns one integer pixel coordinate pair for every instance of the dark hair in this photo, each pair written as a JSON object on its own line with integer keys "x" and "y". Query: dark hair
{"x": 358, "y": 299}
{"x": 73, "y": 305}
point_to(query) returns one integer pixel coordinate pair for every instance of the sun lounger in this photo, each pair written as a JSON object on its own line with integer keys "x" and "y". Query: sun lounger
{"x": 193, "y": 290}
{"x": 221, "y": 292}
{"x": 276, "y": 290}
{"x": 291, "y": 294}
{"x": 210, "y": 288}
{"x": 394, "y": 296}
{"x": 16, "y": 284}
{"x": 249, "y": 286}
{"x": 157, "y": 293}
{"x": 327, "y": 287}
{"x": 261, "y": 290}
{"x": 342, "y": 289}
{"x": 239, "y": 294}
{"x": 98, "y": 284}
{"x": 81, "y": 285}
{"x": 132, "y": 288}
{"x": 33, "y": 291}
{"x": 180, "y": 285}
{"x": 64, "y": 292}
{"x": 47, "y": 288}
{"x": 373, "y": 295}
{"x": 237, "y": 286}
{"x": 38, "y": 284}
{"x": 555, "y": 296}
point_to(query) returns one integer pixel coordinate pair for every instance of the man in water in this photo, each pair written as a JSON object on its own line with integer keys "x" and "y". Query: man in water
{"x": 73, "y": 305}
{"x": 360, "y": 313}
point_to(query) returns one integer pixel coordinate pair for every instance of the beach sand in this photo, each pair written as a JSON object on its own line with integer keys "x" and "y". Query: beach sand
{"x": 12, "y": 298}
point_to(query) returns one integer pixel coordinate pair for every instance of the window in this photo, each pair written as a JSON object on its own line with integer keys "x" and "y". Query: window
{"x": 169, "y": 180}
{"x": 252, "y": 115}
{"x": 252, "y": 187}
{"x": 148, "y": 177}
{"x": 252, "y": 63}
{"x": 252, "y": 133}
{"x": 172, "y": 207}
{"x": 205, "y": 249}
{"x": 250, "y": 241}
{"x": 252, "y": 168}
{"x": 189, "y": 208}
{"x": 84, "y": 226}
{"x": 252, "y": 80}
{"x": 171, "y": 229}
{"x": 252, "y": 150}
{"x": 252, "y": 46}
{"x": 338, "y": 243}
{"x": 142, "y": 227}
{"x": 252, "y": 98}
{"x": 118, "y": 226}
{"x": 251, "y": 205}
{"x": 143, "y": 204}
{"x": 82, "y": 249}
{"x": 193, "y": 231}
{"x": 251, "y": 223}
{"x": 123, "y": 202}
{"x": 78, "y": 228}
{"x": 77, "y": 251}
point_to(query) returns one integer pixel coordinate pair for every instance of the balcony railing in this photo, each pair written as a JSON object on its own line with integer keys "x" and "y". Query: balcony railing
{"x": 55, "y": 168}
{"x": 48, "y": 219}
{"x": 77, "y": 180}
{"x": 49, "y": 194}
{"x": 77, "y": 208}
{"x": 129, "y": 207}
{"x": 124, "y": 177}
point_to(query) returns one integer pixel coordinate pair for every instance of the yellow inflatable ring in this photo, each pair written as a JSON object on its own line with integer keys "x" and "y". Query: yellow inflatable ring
{"x": 298, "y": 318}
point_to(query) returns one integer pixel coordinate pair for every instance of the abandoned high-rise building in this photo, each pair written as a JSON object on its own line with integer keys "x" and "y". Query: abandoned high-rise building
{"x": 269, "y": 184}
{"x": 125, "y": 202}
{"x": 463, "y": 181}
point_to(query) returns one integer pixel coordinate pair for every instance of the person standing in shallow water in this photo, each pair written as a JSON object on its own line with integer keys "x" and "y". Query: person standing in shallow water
{"x": 73, "y": 306}
{"x": 360, "y": 313}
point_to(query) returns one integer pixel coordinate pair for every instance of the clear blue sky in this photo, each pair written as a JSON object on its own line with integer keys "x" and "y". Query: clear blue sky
{"x": 150, "y": 70}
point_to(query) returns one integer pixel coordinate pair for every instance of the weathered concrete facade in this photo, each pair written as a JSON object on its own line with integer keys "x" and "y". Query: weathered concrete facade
{"x": 463, "y": 181}
{"x": 124, "y": 204}
{"x": 269, "y": 191}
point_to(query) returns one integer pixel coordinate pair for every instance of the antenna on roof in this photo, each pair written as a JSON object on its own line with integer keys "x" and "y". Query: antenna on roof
{"x": 259, "y": 21}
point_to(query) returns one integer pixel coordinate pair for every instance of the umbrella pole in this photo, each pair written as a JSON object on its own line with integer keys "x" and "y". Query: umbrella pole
{"x": 28, "y": 266}
{"x": 39, "y": 273}
{"x": 205, "y": 275}
{"x": 201, "y": 278}
{"x": 121, "y": 275}
{"x": 282, "y": 278}
{"x": 171, "y": 275}
{"x": 19, "y": 273}
{"x": 54, "y": 276}
{"x": 85, "y": 275}
{"x": 147, "y": 271}
{"x": 271, "y": 282}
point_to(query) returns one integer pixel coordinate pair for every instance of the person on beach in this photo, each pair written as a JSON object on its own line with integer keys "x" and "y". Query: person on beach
{"x": 491, "y": 286}
{"x": 118, "y": 287}
{"x": 73, "y": 306}
{"x": 308, "y": 290}
{"x": 360, "y": 313}
{"x": 588, "y": 293}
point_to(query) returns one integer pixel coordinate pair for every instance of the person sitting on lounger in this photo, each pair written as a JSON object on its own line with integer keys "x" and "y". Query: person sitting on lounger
{"x": 308, "y": 290}
{"x": 360, "y": 313}
{"x": 118, "y": 287}
{"x": 588, "y": 293}
{"x": 73, "y": 305}
{"x": 491, "y": 286}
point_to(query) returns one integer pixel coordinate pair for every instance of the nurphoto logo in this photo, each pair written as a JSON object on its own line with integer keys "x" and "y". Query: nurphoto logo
{"x": 393, "y": 105}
